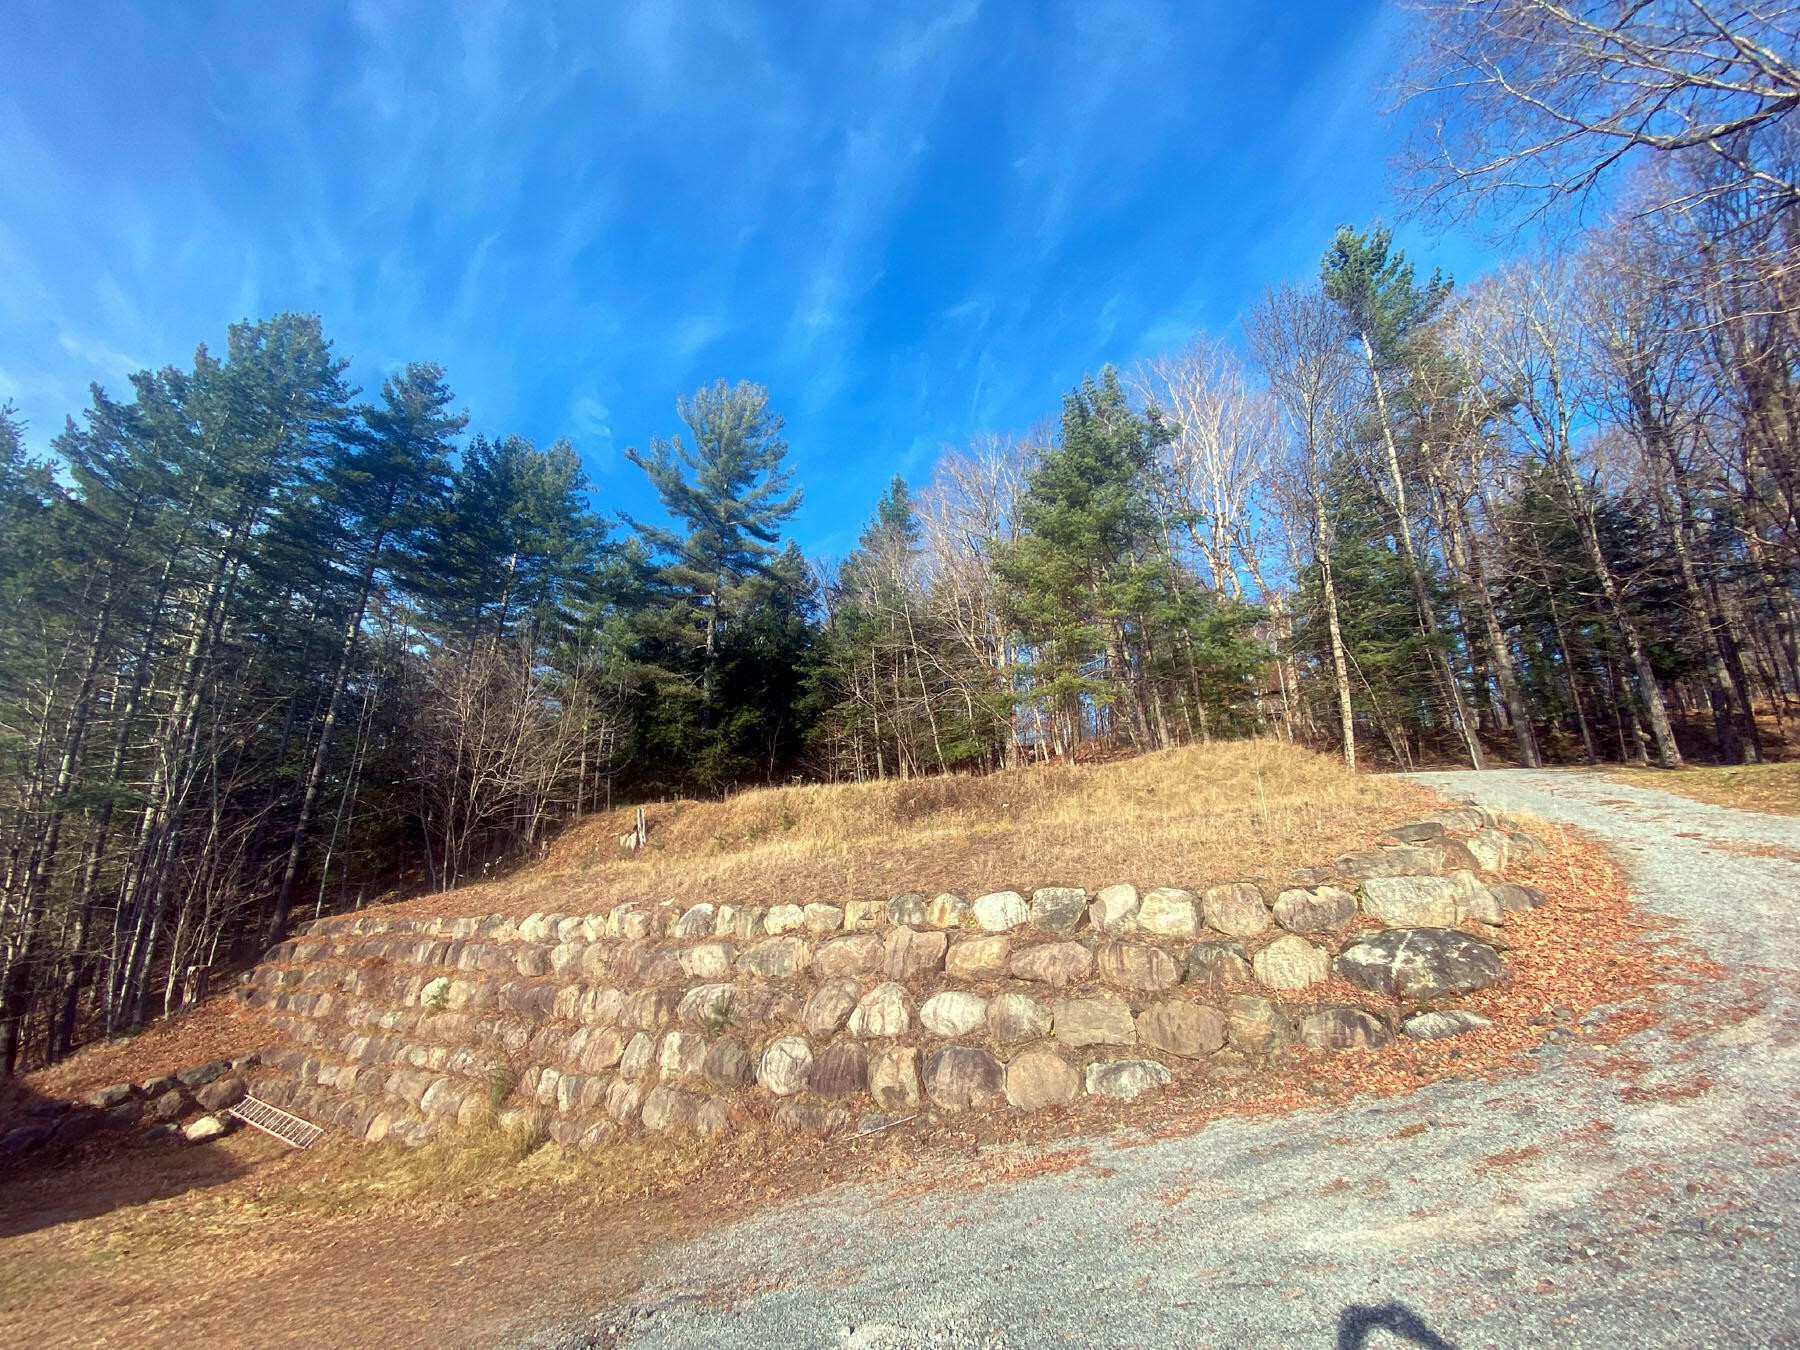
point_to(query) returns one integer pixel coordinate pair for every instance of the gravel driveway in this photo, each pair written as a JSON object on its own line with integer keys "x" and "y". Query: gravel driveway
{"x": 1567, "y": 1206}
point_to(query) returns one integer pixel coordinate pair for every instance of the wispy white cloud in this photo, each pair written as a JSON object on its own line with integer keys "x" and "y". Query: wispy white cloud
{"x": 652, "y": 36}
{"x": 590, "y": 428}
{"x": 693, "y": 335}
{"x": 923, "y": 44}
{"x": 96, "y": 352}
{"x": 915, "y": 220}
{"x": 874, "y": 161}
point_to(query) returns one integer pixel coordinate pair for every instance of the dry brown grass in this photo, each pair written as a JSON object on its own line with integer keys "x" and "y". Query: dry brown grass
{"x": 220, "y": 1028}
{"x": 1199, "y": 815}
{"x": 1774, "y": 788}
{"x": 243, "y": 1242}
{"x": 1194, "y": 816}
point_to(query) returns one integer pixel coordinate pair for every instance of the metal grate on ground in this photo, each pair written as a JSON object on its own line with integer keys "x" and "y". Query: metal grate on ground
{"x": 290, "y": 1129}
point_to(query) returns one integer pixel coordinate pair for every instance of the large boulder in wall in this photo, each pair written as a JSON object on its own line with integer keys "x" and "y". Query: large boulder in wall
{"x": 1420, "y": 963}
{"x": 959, "y": 1077}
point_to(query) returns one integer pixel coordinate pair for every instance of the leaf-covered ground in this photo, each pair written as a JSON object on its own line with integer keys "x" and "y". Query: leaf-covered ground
{"x": 1774, "y": 788}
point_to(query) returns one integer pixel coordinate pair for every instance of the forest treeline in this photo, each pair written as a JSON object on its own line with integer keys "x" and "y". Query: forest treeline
{"x": 271, "y": 646}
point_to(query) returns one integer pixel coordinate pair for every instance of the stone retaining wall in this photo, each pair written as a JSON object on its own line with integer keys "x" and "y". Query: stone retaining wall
{"x": 827, "y": 1017}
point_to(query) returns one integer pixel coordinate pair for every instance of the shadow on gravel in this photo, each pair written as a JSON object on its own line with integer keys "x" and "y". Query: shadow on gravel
{"x": 1359, "y": 1320}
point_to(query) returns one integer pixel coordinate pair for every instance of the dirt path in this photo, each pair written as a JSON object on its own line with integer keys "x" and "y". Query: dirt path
{"x": 1642, "y": 1195}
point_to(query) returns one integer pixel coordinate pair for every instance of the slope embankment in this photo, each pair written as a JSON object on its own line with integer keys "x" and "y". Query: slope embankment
{"x": 715, "y": 1016}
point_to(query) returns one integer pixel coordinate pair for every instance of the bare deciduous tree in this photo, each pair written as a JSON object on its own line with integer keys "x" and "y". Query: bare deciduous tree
{"x": 1216, "y": 459}
{"x": 1521, "y": 329}
{"x": 1295, "y": 335}
{"x": 1529, "y": 102}
{"x": 969, "y": 508}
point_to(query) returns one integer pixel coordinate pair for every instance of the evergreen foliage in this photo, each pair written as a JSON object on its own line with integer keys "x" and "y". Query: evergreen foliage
{"x": 722, "y": 620}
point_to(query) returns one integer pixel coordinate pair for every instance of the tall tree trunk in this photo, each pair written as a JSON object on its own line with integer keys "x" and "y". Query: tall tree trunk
{"x": 1461, "y": 536}
{"x": 1574, "y": 676}
{"x": 1428, "y": 620}
{"x": 1736, "y": 742}
{"x": 340, "y": 678}
{"x": 1650, "y": 695}
{"x": 1340, "y": 667}
{"x": 937, "y": 740}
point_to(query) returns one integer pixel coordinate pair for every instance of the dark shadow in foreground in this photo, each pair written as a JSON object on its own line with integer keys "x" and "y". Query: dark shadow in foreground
{"x": 1359, "y": 1320}
{"x": 62, "y": 1162}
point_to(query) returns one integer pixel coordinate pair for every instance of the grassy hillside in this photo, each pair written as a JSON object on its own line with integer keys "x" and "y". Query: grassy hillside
{"x": 1190, "y": 816}
{"x": 1193, "y": 816}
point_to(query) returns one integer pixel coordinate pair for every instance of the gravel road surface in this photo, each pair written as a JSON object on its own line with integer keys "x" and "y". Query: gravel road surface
{"x": 1571, "y": 1205}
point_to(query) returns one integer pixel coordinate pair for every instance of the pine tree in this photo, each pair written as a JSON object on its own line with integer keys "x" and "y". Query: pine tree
{"x": 510, "y": 594}
{"x": 1071, "y": 576}
{"x": 1384, "y": 309}
{"x": 731, "y": 491}
{"x": 386, "y": 489}
{"x": 515, "y": 544}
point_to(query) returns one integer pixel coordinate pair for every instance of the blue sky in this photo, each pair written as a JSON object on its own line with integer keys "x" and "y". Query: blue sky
{"x": 914, "y": 223}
